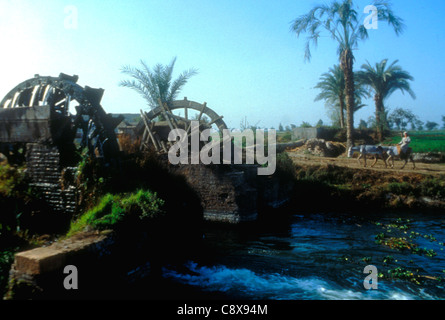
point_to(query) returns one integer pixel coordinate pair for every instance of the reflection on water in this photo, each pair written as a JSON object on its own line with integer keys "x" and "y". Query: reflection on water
{"x": 320, "y": 256}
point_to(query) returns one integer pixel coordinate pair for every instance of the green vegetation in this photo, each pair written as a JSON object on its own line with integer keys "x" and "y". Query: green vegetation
{"x": 14, "y": 195}
{"x": 114, "y": 210}
{"x": 6, "y": 259}
{"x": 400, "y": 118}
{"x": 397, "y": 236}
{"x": 285, "y": 167}
{"x": 284, "y": 136}
{"x": 422, "y": 141}
{"x": 400, "y": 241}
{"x": 351, "y": 188}
{"x": 429, "y": 187}
{"x": 11, "y": 180}
{"x": 400, "y": 188}
{"x": 402, "y": 274}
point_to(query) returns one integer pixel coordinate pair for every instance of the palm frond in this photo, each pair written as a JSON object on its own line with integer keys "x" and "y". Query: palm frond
{"x": 385, "y": 79}
{"x": 180, "y": 82}
{"x": 385, "y": 13}
{"x": 154, "y": 84}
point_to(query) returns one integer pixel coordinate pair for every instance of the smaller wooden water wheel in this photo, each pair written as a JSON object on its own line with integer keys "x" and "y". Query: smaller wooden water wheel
{"x": 176, "y": 115}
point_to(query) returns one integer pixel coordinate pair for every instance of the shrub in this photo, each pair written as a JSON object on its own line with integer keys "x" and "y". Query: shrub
{"x": 128, "y": 144}
{"x": 11, "y": 180}
{"x": 285, "y": 166}
{"x": 433, "y": 187}
{"x": 400, "y": 188}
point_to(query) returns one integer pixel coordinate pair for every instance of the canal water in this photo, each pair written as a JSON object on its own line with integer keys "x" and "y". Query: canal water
{"x": 321, "y": 256}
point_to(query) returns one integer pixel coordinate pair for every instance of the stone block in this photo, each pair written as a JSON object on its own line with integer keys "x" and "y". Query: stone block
{"x": 40, "y": 260}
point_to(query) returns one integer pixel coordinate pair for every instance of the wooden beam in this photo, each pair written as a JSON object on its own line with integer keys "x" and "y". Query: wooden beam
{"x": 204, "y": 105}
{"x": 147, "y": 128}
{"x": 167, "y": 117}
{"x": 213, "y": 121}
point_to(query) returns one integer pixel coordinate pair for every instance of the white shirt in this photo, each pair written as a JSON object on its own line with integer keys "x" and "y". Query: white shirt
{"x": 405, "y": 143}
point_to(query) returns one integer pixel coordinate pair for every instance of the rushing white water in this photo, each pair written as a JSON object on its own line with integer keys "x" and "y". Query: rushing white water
{"x": 248, "y": 284}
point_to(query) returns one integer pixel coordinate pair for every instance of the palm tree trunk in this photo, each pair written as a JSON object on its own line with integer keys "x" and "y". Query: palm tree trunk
{"x": 346, "y": 63}
{"x": 378, "y": 112}
{"x": 342, "y": 113}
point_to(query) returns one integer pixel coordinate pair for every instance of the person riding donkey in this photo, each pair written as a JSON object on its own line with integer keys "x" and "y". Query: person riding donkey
{"x": 403, "y": 150}
{"x": 404, "y": 144}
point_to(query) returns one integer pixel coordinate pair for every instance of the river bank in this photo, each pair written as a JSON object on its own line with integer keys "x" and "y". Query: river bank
{"x": 344, "y": 184}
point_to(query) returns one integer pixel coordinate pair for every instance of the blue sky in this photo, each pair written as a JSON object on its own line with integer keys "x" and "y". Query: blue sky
{"x": 250, "y": 64}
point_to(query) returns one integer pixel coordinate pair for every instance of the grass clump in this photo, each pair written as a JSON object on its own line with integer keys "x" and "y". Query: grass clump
{"x": 400, "y": 188}
{"x": 433, "y": 187}
{"x": 114, "y": 210}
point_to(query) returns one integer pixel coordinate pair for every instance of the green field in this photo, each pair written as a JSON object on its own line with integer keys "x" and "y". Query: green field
{"x": 423, "y": 141}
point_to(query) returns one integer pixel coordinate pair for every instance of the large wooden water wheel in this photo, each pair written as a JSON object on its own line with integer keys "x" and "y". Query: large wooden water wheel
{"x": 37, "y": 110}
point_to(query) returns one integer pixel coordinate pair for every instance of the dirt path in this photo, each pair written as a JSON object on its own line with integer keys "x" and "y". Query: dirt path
{"x": 421, "y": 168}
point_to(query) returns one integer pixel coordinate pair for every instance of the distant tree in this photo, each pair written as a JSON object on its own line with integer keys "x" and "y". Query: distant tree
{"x": 333, "y": 112}
{"x": 156, "y": 84}
{"x": 384, "y": 80}
{"x": 386, "y": 124}
{"x": 203, "y": 118}
{"x": 362, "y": 125}
{"x": 332, "y": 86}
{"x": 400, "y": 118}
{"x": 293, "y": 126}
{"x": 431, "y": 125}
{"x": 319, "y": 123}
{"x": 244, "y": 124}
{"x": 443, "y": 120}
{"x": 305, "y": 124}
{"x": 417, "y": 125}
{"x": 334, "y": 116}
{"x": 280, "y": 127}
{"x": 371, "y": 122}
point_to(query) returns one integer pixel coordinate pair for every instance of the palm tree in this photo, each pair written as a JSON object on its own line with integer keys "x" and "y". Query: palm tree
{"x": 384, "y": 80}
{"x": 156, "y": 84}
{"x": 332, "y": 86}
{"x": 341, "y": 22}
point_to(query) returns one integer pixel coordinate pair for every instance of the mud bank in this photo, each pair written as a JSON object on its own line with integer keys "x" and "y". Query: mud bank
{"x": 327, "y": 186}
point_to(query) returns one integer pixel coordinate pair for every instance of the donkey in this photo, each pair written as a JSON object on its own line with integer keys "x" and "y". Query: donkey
{"x": 393, "y": 151}
{"x": 364, "y": 150}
